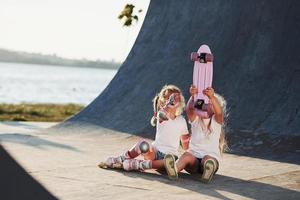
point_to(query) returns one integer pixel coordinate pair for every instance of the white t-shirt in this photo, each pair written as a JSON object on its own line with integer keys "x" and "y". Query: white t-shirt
{"x": 204, "y": 143}
{"x": 168, "y": 134}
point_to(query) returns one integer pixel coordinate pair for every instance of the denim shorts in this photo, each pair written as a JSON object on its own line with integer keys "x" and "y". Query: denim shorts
{"x": 160, "y": 155}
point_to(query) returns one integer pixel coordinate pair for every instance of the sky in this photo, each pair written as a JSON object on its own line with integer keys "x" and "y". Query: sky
{"x": 69, "y": 28}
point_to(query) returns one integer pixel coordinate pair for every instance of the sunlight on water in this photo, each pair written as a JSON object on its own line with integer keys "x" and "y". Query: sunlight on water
{"x": 51, "y": 84}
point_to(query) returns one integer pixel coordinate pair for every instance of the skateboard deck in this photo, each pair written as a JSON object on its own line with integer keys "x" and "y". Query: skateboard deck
{"x": 103, "y": 165}
{"x": 202, "y": 77}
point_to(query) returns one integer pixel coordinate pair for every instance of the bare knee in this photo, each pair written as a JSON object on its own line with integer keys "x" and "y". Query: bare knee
{"x": 186, "y": 158}
{"x": 206, "y": 157}
{"x": 187, "y": 155}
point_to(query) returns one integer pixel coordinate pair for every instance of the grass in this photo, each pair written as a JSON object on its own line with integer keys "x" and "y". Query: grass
{"x": 38, "y": 112}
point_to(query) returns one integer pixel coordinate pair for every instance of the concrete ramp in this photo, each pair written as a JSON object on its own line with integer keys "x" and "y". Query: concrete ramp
{"x": 257, "y": 65}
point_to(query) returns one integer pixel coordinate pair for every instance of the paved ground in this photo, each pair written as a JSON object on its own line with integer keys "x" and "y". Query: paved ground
{"x": 66, "y": 165}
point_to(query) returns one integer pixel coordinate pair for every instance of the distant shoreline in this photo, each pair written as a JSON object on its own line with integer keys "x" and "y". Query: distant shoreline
{"x": 8, "y": 56}
{"x": 54, "y": 65}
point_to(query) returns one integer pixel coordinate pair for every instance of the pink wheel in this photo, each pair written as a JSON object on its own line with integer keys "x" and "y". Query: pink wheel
{"x": 194, "y": 56}
{"x": 209, "y": 57}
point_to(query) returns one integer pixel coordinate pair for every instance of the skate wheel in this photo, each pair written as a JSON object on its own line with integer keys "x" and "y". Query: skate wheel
{"x": 194, "y": 56}
{"x": 209, "y": 57}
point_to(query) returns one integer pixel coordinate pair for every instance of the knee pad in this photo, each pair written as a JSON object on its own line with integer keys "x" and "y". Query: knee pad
{"x": 142, "y": 147}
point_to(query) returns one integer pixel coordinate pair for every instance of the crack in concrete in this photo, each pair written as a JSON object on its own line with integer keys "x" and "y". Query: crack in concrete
{"x": 73, "y": 179}
{"x": 130, "y": 187}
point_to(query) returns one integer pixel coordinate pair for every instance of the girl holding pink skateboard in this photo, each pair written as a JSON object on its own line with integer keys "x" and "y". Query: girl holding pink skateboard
{"x": 170, "y": 129}
{"x": 207, "y": 140}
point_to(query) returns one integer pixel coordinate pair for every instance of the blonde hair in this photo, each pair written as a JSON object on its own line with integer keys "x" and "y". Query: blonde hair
{"x": 160, "y": 99}
{"x": 155, "y": 110}
{"x": 223, "y": 146}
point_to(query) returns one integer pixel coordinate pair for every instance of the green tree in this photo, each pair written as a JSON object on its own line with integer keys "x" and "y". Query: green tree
{"x": 127, "y": 14}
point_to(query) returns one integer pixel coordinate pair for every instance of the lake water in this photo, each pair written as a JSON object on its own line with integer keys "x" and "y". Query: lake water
{"x": 27, "y": 83}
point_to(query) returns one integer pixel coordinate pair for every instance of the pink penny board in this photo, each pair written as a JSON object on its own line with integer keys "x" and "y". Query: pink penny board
{"x": 202, "y": 78}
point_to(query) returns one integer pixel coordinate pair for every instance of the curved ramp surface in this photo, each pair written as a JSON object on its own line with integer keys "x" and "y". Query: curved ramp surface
{"x": 257, "y": 65}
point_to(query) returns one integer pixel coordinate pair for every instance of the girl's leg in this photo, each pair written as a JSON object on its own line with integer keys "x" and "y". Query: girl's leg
{"x": 157, "y": 158}
{"x": 210, "y": 166}
{"x": 150, "y": 161}
{"x": 158, "y": 164}
{"x": 134, "y": 164}
{"x": 130, "y": 154}
{"x": 170, "y": 166}
{"x": 186, "y": 161}
{"x": 136, "y": 150}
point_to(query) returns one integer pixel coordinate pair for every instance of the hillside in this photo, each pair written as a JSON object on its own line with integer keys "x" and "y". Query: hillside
{"x": 37, "y": 58}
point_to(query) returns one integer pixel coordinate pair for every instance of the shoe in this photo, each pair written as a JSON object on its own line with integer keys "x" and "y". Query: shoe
{"x": 209, "y": 168}
{"x": 170, "y": 165}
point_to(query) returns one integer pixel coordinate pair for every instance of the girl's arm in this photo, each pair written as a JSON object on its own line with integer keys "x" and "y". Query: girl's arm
{"x": 209, "y": 92}
{"x": 190, "y": 105}
{"x": 185, "y": 140}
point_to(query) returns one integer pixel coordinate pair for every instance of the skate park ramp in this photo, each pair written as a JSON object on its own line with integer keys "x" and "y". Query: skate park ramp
{"x": 256, "y": 46}
{"x": 257, "y": 69}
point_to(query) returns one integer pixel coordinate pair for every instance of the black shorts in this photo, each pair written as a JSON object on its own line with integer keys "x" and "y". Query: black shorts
{"x": 198, "y": 168}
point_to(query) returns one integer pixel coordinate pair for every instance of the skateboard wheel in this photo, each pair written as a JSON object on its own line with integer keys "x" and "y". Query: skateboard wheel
{"x": 194, "y": 56}
{"x": 209, "y": 57}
